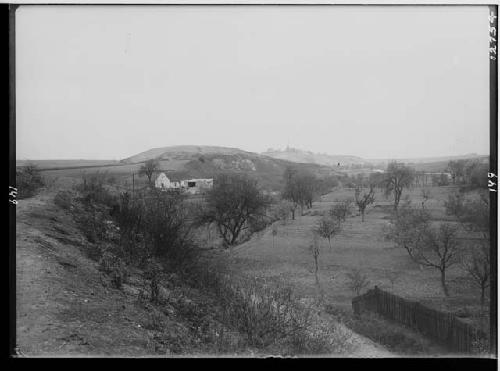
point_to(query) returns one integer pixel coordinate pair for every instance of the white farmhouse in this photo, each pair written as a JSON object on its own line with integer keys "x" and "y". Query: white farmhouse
{"x": 162, "y": 181}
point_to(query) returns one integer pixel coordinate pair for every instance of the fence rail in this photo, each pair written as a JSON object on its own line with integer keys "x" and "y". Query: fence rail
{"x": 445, "y": 328}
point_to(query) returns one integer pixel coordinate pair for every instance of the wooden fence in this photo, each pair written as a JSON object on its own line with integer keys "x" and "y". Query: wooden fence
{"x": 442, "y": 327}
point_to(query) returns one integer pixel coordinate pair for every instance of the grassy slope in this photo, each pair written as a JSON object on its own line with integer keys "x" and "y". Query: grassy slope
{"x": 359, "y": 245}
{"x": 67, "y": 306}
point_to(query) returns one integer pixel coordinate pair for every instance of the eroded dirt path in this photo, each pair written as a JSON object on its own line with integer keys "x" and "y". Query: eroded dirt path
{"x": 64, "y": 304}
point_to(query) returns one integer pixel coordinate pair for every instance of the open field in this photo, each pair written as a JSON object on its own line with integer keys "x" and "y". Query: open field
{"x": 359, "y": 245}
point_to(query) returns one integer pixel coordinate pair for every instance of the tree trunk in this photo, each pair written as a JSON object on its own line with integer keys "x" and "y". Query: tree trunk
{"x": 363, "y": 215}
{"x": 443, "y": 283}
{"x": 482, "y": 295}
{"x": 330, "y": 243}
{"x": 316, "y": 269}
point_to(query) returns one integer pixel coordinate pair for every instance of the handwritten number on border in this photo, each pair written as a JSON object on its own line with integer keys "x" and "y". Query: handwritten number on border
{"x": 12, "y": 195}
{"x": 493, "y": 34}
{"x": 491, "y": 183}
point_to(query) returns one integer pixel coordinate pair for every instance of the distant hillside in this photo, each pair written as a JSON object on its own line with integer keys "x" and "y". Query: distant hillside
{"x": 179, "y": 152}
{"x": 64, "y": 164}
{"x": 442, "y": 165}
{"x": 300, "y": 156}
{"x": 181, "y": 162}
{"x": 432, "y": 160}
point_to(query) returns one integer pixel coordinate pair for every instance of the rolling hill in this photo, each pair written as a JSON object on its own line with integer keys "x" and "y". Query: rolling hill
{"x": 300, "y": 156}
{"x": 181, "y": 162}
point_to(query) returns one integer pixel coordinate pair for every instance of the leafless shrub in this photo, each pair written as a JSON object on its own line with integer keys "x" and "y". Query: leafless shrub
{"x": 268, "y": 314}
{"x": 328, "y": 227}
{"x": 28, "y": 181}
{"x": 341, "y": 210}
{"x": 64, "y": 199}
{"x": 114, "y": 267}
{"x": 154, "y": 273}
{"x": 357, "y": 281}
{"x": 283, "y": 211}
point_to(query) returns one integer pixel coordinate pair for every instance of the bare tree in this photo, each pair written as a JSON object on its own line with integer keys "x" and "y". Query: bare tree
{"x": 364, "y": 199}
{"x": 299, "y": 188}
{"x": 397, "y": 178}
{"x": 475, "y": 260}
{"x": 457, "y": 170}
{"x": 231, "y": 204}
{"x": 357, "y": 281}
{"x": 426, "y": 195}
{"x": 437, "y": 248}
{"x": 475, "y": 174}
{"x": 149, "y": 168}
{"x": 341, "y": 210}
{"x": 455, "y": 205}
{"x": 474, "y": 216}
{"x": 328, "y": 227}
{"x": 315, "y": 253}
{"x": 274, "y": 231}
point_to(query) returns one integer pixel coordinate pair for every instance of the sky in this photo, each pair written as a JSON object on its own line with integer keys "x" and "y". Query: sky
{"x": 108, "y": 82}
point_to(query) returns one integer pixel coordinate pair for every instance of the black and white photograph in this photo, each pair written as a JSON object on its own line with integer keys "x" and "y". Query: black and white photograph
{"x": 254, "y": 180}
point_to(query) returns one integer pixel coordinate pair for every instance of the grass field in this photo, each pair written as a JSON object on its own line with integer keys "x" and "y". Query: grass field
{"x": 359, "y": 245}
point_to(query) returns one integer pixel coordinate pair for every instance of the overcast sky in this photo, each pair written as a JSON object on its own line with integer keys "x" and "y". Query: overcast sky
{"x": 377, "y": 82}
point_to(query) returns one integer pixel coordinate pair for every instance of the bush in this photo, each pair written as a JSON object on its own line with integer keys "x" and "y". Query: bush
{"x": 112, "y": 265}
{"x": 357, "y": 281}
{"x": 258, "y": 224}
{"x": 91, "y": 220}
{"x": 94, "y": 190}
{"x": 154, "y": 274}
{"x": 341, "y": 210}
{"x": 166, "y": 229}
{"x": 28, "y": 181}
{"x": 232, "y": 203}
{"x": 64, "y": 199}
{"x": 282, "y": 211}
{"x": 267, "y": 314}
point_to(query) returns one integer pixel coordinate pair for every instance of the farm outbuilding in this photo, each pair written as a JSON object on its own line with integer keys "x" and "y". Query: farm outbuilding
{"x": 197, "y": 185}
{"x": 192, "y": 186}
